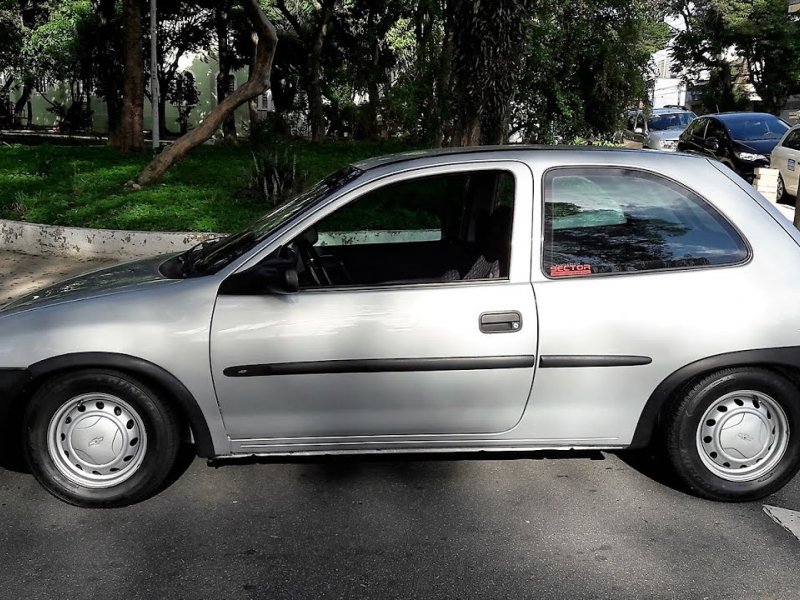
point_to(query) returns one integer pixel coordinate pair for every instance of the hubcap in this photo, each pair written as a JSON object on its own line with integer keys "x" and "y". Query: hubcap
{"x": 97, "y": 440}
{"x": 743, "y": 435}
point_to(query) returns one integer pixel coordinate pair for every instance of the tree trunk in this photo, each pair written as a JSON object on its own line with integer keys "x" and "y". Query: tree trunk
{"x": 22, "y": 103}
{"x": 252, "y": 104}
{"x": 131, "y": 134}
{"x": 373, "y": 91}
{"x": 109, "y": 79}
{"x": 314, "y": 89}
{"x": 444, "y": 78}
{"x": 221, "y": 22}
{"x": 163, "y": 86}
{"x": 257, "y": 84}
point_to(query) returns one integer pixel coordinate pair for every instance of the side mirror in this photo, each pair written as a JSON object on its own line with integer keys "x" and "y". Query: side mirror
{"x": 712, "y": 144}
{"x": 638, "y": 130}
{"x": 272, "y": 276}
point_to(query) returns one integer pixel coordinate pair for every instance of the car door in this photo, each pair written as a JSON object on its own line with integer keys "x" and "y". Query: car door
{"x": 379, "y": 359}
{"x": 634, "y": 282}
{"x": 630, "y": 137}
{"x": 687, "y": 140}
{"x": 787, "y": 156}
{"x": 717, "y": 142}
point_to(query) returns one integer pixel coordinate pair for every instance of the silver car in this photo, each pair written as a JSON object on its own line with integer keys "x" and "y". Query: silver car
{"x": 500, "y": 299}
{"x": 785, "y": 157}
{"x": 659, "y": 129}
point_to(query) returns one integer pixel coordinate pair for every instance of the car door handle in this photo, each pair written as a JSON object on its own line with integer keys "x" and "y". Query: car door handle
{"x": 501, "y": 322}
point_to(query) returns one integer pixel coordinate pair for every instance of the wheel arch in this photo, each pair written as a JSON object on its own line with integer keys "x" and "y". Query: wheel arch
{"x": 150, "y": 374}
{"x": 785, "y": 361}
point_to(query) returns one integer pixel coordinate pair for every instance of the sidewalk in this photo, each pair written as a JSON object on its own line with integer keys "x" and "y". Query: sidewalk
{"x": 22, "y": 274}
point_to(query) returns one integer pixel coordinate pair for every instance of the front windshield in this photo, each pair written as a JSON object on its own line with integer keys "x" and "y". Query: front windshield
{"x": 757, "y": 127}
{"x": 664, "y": 121}
{"x": 232, "y": 247}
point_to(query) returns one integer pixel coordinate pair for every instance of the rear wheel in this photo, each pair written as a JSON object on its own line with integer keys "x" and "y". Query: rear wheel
{"x": 100, "y": 439}
{"x": 783, "y": 196}
{"x": 733, "y": 436}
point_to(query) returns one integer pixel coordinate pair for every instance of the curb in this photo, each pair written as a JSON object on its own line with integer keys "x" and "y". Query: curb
{"x": 79, "y": 242}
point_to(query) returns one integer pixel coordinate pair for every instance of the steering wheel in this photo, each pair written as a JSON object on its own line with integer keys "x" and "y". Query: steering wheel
{"x": 312, "y": 259}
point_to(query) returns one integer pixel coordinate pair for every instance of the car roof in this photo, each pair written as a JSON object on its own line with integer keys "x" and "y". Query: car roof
{"x": 665, "y": 110}
{"x": 511, "y": 150}
{"x": 740, "y": 116}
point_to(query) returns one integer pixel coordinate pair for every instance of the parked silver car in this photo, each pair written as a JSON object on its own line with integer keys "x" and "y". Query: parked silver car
{"x": 500, "y": 299}
{"x": 657, "y": 130}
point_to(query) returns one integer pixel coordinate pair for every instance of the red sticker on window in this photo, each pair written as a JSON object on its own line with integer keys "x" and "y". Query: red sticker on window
{"x": 570, "y": 269}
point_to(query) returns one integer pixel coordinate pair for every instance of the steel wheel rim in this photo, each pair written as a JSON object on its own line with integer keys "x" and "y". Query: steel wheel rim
{"x": 743, "y": 435}
{"x": 97, "y": 440}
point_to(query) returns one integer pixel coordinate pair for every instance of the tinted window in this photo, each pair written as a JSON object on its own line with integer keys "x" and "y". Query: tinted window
{"x": 664, "y": 121}
{"x": 792, "y": 140}
{"x": 716, "y": 130}
{"x": 617, "y": 220}
{"x": 441, "y": 228}
{"x": 756, "y": 127}
{"x": 696, "y": 128}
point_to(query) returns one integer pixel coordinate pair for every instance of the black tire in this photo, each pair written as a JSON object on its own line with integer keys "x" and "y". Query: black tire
{"x": 684, "y": 429}
{"x": 783, "y": 196}
{"x": 156, "y": 453}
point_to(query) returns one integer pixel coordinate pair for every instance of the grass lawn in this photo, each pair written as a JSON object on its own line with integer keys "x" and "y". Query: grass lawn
{"x": 84, "y": 186}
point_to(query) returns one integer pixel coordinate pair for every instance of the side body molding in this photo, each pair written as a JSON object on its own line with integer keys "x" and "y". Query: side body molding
{"x": 184, "y": 400}
{"x": 776, "y": 358}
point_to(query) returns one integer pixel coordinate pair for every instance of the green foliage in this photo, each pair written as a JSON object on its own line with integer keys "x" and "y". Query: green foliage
{"x": 83, "y": 186}
{"x": 54, "y": 50}
{"x": 488, "y": 44}
{"x": 274, "y": 176}
{"x": 740, "y": 41}
{"x": 767, "y": 39}
{"x": 183, "y": 93}
{"x": 586, "y": 62}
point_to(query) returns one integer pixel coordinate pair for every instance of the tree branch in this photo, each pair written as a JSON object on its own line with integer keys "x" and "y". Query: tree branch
{"x": 256, "y": 85}
{"x": 281, "y": 4}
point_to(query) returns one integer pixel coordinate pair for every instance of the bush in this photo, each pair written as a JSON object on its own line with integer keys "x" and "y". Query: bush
{"x": 274, "y": 177}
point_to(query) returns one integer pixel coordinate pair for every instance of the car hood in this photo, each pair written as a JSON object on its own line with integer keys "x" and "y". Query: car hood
{"x": 91, "y": 285}
{"x": 764, "y": 147}
{"x": 667, "y": 135}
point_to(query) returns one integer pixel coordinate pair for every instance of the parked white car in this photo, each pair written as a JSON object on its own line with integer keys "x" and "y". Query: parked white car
{"x": 786, "y": 158}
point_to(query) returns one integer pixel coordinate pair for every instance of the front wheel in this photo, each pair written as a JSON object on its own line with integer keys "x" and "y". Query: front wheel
{"x": 733, "y": 436}
{"x": 100, "y": 439}
{"x": 782, "y": 195}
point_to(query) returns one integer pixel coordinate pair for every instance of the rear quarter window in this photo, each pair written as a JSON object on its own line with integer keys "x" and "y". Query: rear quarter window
{"x": 609, "y": 220}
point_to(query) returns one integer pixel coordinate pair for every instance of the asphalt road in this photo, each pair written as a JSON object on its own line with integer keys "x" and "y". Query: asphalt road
{"x": 577, "y": 526}
{"x": 572, "y": 527}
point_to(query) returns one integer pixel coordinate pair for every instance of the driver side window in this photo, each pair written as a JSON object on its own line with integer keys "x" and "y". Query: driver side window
{"x": 436, "y": 229}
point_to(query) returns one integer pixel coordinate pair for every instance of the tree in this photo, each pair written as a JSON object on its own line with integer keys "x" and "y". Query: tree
{"x": 11, "y": 38}
{"x": 704, "y": 45}
{"x": 584, "y": 65}
{"x": 225, "y": 57}
{"x": 131, "y": 133}
{"x": 767, "y": 39}
{"x": 488, "y": 46}
{"x": 106, "y": 42}
{"x": 759, "y": 33}
{"x": 183, "y": 94}
{"x": 311, "y": 28}
{"x": 256, "y": 85}
{"x": 184, "y": 27}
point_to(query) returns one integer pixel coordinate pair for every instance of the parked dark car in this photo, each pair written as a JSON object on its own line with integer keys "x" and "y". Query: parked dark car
{"x": 742, "y": 141}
